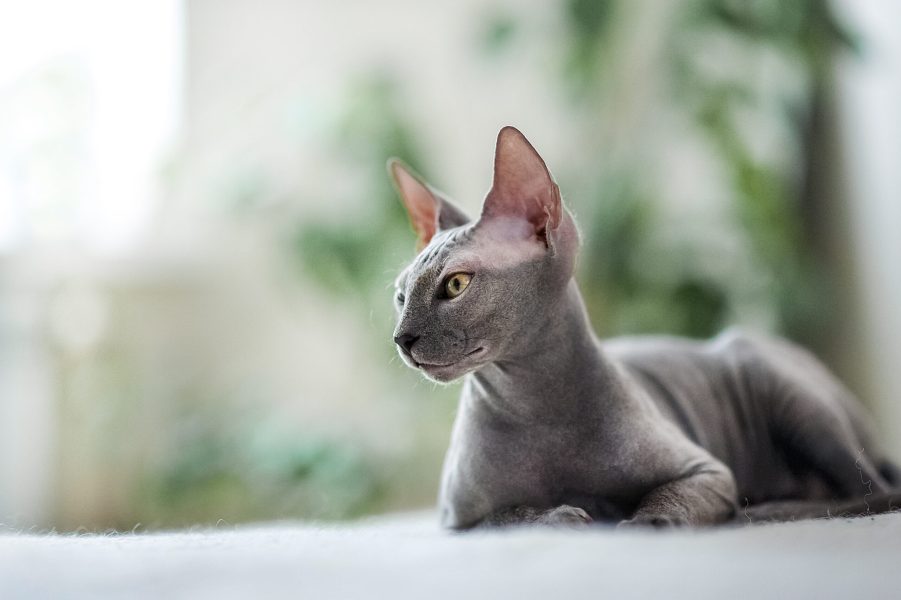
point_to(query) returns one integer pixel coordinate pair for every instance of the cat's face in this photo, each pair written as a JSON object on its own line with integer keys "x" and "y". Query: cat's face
{"x": 479, "y": 291}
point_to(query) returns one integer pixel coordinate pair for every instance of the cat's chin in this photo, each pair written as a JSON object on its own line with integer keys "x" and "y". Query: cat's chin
{"x": 444, "y": 373}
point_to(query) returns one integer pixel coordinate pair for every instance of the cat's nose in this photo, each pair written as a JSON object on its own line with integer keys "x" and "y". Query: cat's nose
{"x": 406, "y": 341}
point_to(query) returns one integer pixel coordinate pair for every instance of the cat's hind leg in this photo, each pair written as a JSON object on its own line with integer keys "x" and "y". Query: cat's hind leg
{"x": 891, "y": 472}
{"x": 810, "y": 421}
{"x": 819, "y": 424}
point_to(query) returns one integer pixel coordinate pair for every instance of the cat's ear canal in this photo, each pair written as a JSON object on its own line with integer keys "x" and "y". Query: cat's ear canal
{"x": 523, "y": 187}
{"x": 429, "y": 211}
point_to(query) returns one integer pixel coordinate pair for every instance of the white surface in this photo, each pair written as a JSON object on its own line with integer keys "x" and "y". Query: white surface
{"x": 409, "y": 557}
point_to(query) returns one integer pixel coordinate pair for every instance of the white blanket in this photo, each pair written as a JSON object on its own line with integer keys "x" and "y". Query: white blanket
{"x": 407, "y": 556}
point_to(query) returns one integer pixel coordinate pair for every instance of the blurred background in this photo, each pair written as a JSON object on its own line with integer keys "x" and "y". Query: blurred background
{"x": 198, "y": 237}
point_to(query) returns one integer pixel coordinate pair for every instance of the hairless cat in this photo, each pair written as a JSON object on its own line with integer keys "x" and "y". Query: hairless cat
{"x": 555, "y": 427}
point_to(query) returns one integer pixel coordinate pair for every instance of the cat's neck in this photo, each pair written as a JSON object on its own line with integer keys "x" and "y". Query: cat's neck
{"x": 557, "y": 374}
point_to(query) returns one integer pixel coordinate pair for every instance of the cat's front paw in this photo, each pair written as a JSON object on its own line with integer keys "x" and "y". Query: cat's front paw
{"x": 655, "y": 521}
{"x": 565, "y": 515}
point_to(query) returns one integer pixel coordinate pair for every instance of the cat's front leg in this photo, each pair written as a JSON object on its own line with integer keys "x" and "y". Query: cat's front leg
{"x": 706, "y": 496}
{"x": 563, "y": 515}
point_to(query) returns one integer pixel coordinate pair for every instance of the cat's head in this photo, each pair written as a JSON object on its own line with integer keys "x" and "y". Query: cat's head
{"x": 480, "y": 291}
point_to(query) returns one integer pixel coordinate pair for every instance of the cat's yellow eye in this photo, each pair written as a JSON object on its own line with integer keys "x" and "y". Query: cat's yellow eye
{"x": 456, "y": 283}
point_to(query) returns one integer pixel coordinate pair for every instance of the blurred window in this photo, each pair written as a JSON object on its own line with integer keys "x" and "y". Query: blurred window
{"x": 89, "y": 105}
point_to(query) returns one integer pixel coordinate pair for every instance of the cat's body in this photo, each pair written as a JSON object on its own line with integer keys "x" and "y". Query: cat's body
{"x": 652, "y": 411}
{"x": 555, "y": 427}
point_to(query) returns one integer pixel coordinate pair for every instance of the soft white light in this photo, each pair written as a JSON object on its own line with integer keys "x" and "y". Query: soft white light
{"x": 87, "y": 176}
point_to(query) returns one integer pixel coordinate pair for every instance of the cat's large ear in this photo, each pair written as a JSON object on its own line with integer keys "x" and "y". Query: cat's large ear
{"x": 523, "y": 186}
{"x": 429, "y": 211}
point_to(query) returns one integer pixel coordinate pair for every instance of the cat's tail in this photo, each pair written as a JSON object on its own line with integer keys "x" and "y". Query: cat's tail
{"x": 795, "y": 510}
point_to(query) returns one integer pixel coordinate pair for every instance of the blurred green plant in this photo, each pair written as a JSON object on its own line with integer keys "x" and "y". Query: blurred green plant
{"x": 354, "y": 259}
{"x": 772, "y": 199}
{"x": 249, "y": 469}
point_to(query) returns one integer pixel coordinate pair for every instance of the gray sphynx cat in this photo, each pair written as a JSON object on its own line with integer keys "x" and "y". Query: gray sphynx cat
{"x": 557, "y": 428}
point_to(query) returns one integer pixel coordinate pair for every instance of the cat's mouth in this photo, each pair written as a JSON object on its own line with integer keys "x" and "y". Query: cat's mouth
{"x": 426, "y": 366}
{"x": 447, "y": 371}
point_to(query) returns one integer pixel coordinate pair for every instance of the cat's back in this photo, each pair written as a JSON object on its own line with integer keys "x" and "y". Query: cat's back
{"x": 665, "y": 352}
{"x": 733, "y": 353}
{"x": 651, "y": 347}
{"x": 670, "y": 355}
